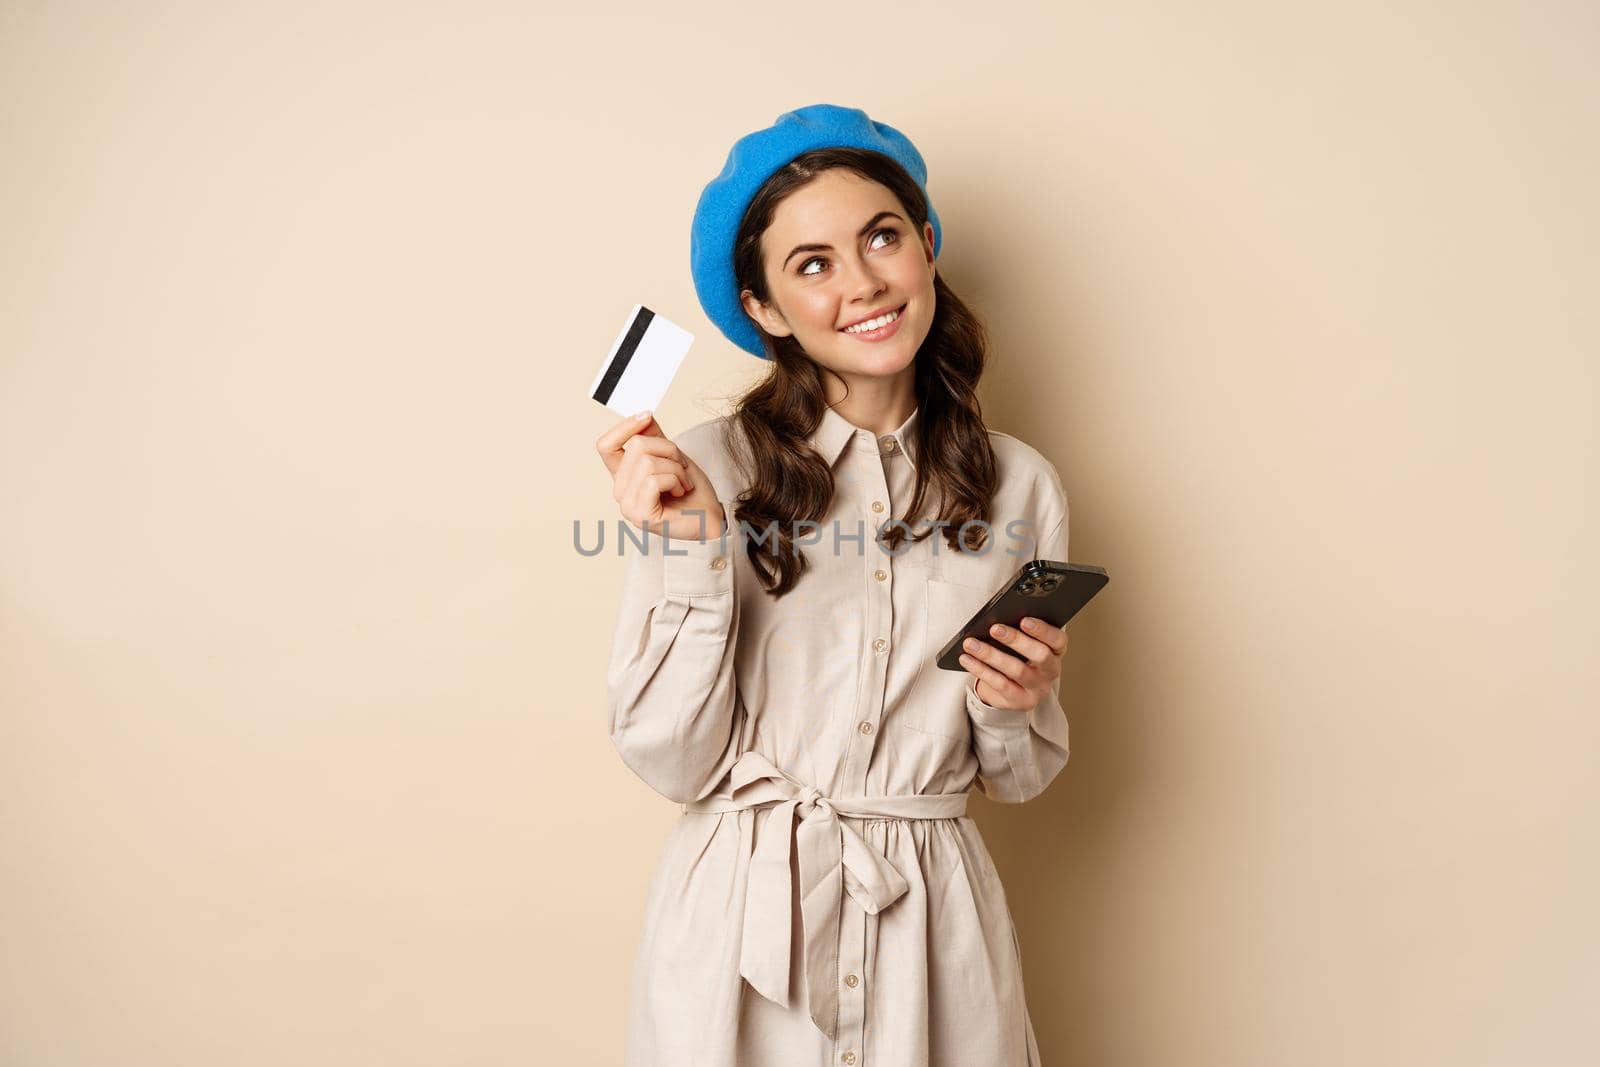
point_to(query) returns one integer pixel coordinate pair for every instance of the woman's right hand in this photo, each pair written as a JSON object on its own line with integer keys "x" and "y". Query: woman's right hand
{"x": 654, "y": 482}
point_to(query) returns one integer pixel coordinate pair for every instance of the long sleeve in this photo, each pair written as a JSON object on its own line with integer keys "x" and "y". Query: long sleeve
{"x": 1021, "y": 752}
{"x": 670, "y": 683}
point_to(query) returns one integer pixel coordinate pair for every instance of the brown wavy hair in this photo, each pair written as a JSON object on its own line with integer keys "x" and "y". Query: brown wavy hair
{"x": 789, "y": 482}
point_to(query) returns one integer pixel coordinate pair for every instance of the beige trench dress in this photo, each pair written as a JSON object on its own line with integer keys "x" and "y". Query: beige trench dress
{"x": 824, "y": 899}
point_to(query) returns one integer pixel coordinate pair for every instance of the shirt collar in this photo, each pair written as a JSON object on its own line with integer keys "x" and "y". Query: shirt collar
{"x": 834, "y": 432}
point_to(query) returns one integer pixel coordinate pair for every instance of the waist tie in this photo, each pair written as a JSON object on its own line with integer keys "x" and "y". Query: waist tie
{"x": 830, "y": 852}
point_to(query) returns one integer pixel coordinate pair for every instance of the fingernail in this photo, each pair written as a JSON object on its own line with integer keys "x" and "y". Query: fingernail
{"x": 641, "y": 416}
{"x": 999, "y": 631}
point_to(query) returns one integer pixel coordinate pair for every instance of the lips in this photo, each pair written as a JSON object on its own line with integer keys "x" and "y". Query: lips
{"x": 881, "y": 334}
{"x": 876, "y": 314}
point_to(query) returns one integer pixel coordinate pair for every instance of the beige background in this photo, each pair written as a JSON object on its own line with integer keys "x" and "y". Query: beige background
{"x": 302, "y": 737}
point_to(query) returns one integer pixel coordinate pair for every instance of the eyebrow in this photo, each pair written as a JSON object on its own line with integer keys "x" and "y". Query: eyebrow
{"x": 879, "y": 217}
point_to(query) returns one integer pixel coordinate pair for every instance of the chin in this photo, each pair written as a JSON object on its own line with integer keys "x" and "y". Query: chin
{"x": 874, "y": 364}
{"x": 884, "y": 358}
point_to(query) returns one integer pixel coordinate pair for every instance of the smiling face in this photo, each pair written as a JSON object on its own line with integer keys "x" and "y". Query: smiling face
{"x": 839, "y": 250}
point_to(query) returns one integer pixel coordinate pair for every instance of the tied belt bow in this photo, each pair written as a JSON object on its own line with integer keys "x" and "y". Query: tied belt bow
{"x": 832, "y": 856}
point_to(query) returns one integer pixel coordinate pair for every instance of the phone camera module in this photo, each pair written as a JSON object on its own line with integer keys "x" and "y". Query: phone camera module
{"x": 1042, "y": 585}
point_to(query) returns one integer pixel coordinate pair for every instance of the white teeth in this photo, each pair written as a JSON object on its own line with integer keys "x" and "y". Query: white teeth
{"x": 873, "y": 324}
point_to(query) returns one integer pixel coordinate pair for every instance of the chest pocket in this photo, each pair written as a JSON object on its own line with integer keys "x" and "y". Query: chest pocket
{"x": 936, "y": 701}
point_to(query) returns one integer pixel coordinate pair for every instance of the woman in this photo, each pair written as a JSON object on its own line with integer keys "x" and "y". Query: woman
{"x": 825, "y": 899}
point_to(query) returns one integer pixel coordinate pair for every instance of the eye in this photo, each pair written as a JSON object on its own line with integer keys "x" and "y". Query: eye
{"x": 890, "y": 230}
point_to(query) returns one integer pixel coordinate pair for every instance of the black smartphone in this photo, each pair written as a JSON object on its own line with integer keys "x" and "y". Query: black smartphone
{"x": 1043, "y": 588}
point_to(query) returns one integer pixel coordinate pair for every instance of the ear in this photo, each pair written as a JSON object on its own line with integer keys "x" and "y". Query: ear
{"x": 927, "y": 242}
{"x": 768, "y": 318}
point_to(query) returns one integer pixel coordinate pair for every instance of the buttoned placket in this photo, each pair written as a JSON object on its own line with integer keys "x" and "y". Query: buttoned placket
{"x": 874, "y": 454}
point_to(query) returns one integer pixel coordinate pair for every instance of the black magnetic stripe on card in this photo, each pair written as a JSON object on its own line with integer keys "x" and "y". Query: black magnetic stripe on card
{"x": 630, "y": 343}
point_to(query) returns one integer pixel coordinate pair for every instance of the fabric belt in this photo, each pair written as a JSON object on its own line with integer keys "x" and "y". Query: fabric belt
{"x": 831, "y": 852}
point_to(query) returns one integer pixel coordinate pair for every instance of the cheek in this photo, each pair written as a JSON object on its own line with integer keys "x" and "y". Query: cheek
{"x": 819, "y": 310}
{"x": 916, "y": 277}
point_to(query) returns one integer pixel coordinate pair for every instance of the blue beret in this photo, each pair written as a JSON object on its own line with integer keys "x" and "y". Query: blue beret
{"x": 754, "y": 158}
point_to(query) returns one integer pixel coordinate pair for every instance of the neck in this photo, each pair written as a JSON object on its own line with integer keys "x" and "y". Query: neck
{"x": 874, "y": 404}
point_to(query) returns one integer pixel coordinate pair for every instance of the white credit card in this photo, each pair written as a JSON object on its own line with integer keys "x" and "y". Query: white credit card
{"x": 641, "y": 363}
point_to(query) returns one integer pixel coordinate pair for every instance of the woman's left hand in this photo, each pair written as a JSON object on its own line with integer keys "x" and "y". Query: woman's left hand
{"x": 1004, "y": 681}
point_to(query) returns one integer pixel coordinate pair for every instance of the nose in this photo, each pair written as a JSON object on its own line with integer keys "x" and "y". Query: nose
{"x": 863, "y": 283}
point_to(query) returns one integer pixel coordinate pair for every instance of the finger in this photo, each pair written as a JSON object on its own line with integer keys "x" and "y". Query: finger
{"x": 647, "y": 493}
{"x": 612, "y": 439}
{"x": 655, "y": 455}
{"x": 663, "y": 465}
{"x": 1035, "y": 650}
{"x": 612, "y": 445}
{"x": 648, "y": 487}
{"x": 1006, "y": 691}
{"x": 633, "y": 480}
{"x": 1004, "y": 662}
{"x": 1054, "y": 636}
{"x": 640, "y": 444}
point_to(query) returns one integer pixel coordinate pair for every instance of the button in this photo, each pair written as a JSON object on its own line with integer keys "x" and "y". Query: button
{"x": 877, "y": 505}
{"x": 865, "y": 728}
{"x": 719, "y": 563}
{"x": 851, "y": 980}
{"x": 848, "y": 1058}
{"x": 879, "y": 645}
{"x": 886, "y": 444}
{"x": 880, "y": 575}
